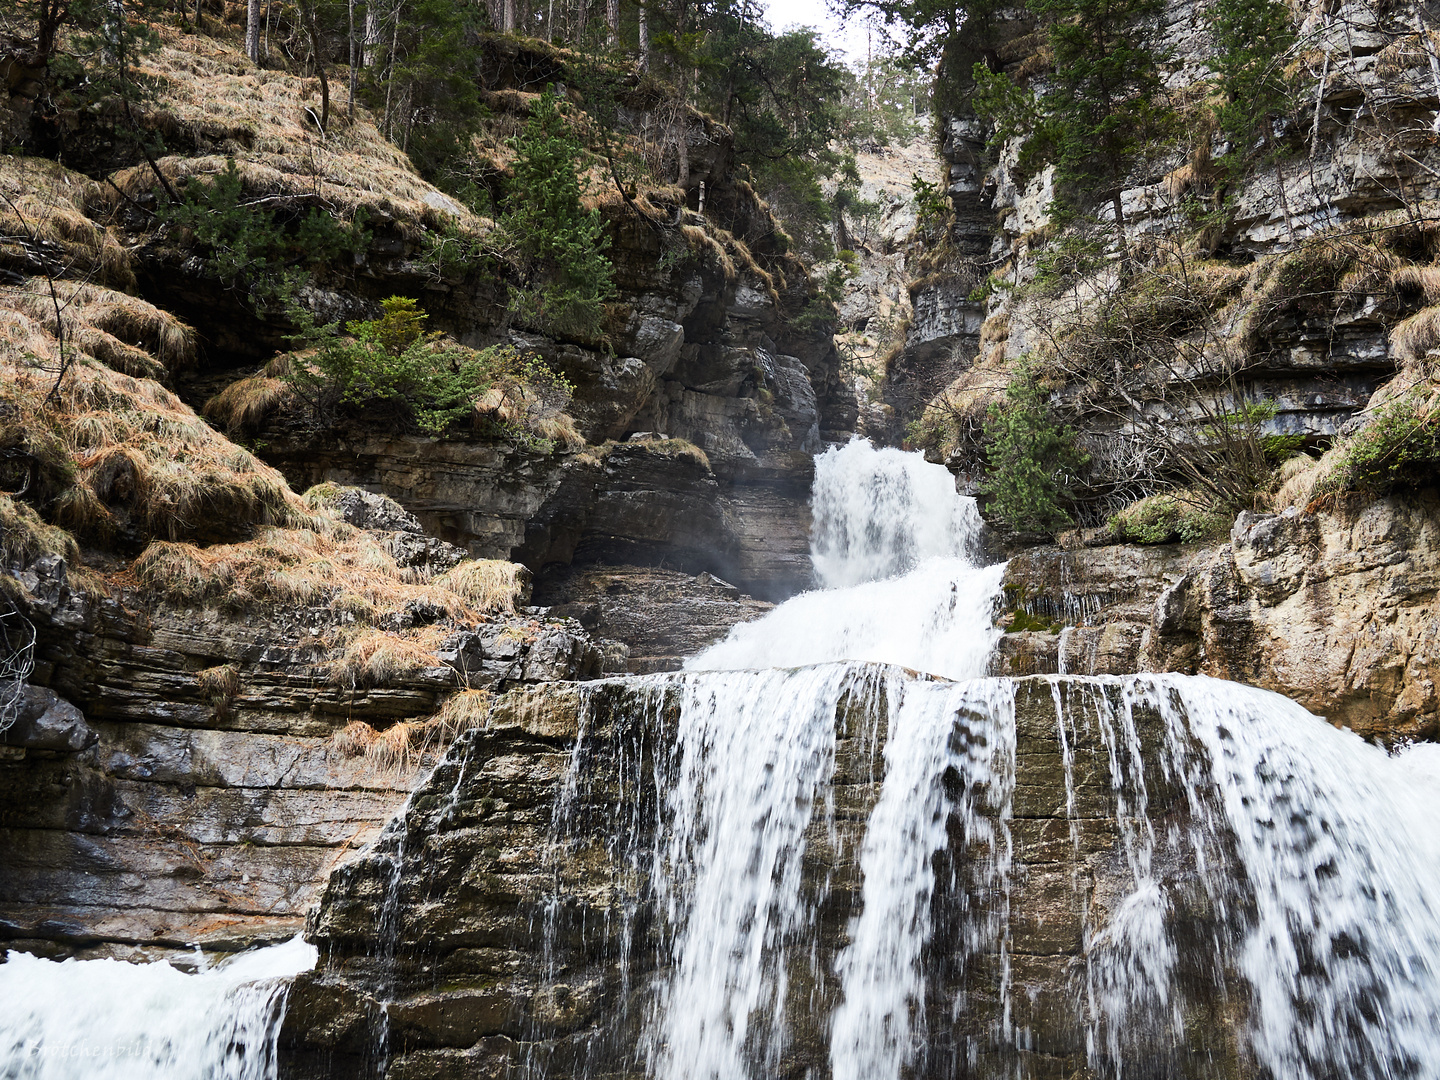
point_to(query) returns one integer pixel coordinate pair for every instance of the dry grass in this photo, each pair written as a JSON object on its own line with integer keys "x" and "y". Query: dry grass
{"x": 219, "y": 684}
{"x": 122, "y": 332}
{"x": 24, "y": 536}
{"x": 675, "y": 448}
{"x": 211, "y": 96}
{"x": 994, "y": 330}
{"x": 515, "y": 402}
{"x": 465, "y": 709}
{"x": 245, "y": 403}
{"x": 703, "y": 245}
{"x": 50, "y": 203}
{"x": 561, "y": 429}
{"x": 410, "y": 742}
{"x": 287, "y": 568}
{"x": 1412, "y": 339}
{"x": 334, "y": 565}
{"x": 1294, "y": 481}
{"x": 143, "y": 461}
{"x": 376, "y": 657}
{"x": 490, "y": 584}
{"x": 1424, "y": 280}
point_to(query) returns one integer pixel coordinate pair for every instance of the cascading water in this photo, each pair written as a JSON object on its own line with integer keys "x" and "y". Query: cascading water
{"x": 832, "y": 848}
{"x": 894, "y": 551}
{"x": 1264, "y": 868}
{"x": 109, "y": 1020}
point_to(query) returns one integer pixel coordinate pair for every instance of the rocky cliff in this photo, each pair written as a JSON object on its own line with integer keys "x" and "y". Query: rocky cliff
{"x": 1300, "y": 303}
{"x": 232, "y": 688}
{"x": 1336, "y": 610}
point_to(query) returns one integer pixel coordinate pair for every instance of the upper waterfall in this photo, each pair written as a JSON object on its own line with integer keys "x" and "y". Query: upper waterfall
{"x": 895, "y": 549}
{"x": 881, "y": 513}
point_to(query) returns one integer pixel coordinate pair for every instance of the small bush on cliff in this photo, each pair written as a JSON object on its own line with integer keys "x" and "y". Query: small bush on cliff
{"x": 1401, "y": 447}
{"x": 1031, "y": 458}
{"x": 1166, "y": 519}
{"x": 394, "y": 362}
{"x": 252, "y": 248}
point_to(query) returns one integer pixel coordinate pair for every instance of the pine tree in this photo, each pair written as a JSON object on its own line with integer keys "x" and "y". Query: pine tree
{"x": 1102, "y": 103}
{"x": 566, "y": 278}
{"x": 1251, "y": 38}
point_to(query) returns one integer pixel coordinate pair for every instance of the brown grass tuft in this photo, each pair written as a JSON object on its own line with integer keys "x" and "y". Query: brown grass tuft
{"x": 376, "y": 657}
{"x": 147, "y": 462}
{"x": 705, "y": 246}
{"x": 410, "y": 742}
{"x": 49, "y": 202}
{"x": 128, "y": 334}
{"x": 1413, "y": 338}
{"x": 219, "y": 684}
{"x": 245, "y": 403}
{"x": 1424, "y": 280}
{"x": 1294, "y": 481}
{"x": 211, "y": 95}
{"x": 24, "y": 536}
{"x": 490, "y": 584}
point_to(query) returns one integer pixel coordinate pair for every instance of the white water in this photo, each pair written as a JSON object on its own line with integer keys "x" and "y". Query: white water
{"x": 1325, "y": 899}
{"x": 876, "y": 1031}
{"x": 109, "y": 1020}
{"x": 893, "y": 549}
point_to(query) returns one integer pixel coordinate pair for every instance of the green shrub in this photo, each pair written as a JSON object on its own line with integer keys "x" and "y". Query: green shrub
{"x": 253, "y": 248}
{"x": 1031, "y": 458}
{"x": 1400, "y": 447}
{"x": 393, "y": 360}
{"x": 1164, "y": 519}
{"x": 559, "y": 246}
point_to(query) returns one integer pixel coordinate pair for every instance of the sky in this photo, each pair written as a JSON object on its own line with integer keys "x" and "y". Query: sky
{"x": 849, "y": 40}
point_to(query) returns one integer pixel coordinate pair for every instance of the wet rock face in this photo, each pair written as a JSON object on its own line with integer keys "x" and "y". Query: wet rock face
{"x": 649, "y": 501}
{"x": 172, "y": 777}
{"x": 1339, "y": 611}
{"x": 523, "y": 937}
{"x": 662, "y": 616}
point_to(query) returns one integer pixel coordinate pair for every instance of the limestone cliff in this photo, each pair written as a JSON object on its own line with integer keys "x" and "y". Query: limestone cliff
{"x": 1329, "y": 599}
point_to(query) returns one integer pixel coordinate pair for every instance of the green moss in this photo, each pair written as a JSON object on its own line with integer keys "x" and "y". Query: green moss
{"x": 1164, "y": 519}
{"x": 1019, "y": 616}
{"x": 1022, "y": 621}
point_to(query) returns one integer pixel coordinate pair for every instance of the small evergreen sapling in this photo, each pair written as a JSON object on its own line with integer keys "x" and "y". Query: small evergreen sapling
{"x": 566, "y": 278}
{"x": 1030, "y": 456}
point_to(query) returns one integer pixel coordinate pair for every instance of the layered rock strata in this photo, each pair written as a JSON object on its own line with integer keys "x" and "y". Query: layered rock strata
{"x": 173, "y": 776}
{"x": 1338, "y": 610}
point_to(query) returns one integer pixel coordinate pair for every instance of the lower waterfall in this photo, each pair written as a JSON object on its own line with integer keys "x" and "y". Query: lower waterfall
{"x": 831, "y": 848}
{"x": 109, "y": 1020}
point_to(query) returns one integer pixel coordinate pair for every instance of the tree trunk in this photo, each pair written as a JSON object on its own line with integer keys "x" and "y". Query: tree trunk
{"x": 252, "y": 31}
{"x": 643, "y": 60}
{"x": 319, "y": 60}
{"x": 372, "y": 33}
{"x": 199, "y": 16}
{"x": 354, "y": 64}
{"x": 509, "y": 25}
{"x": 612, "y": 22}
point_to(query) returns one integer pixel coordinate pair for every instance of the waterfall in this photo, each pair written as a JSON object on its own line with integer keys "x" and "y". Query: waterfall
{"x": 893, "y": 547}
{"x": 1267, "y": 869}
{"x": 832, "y": 848}
{"x": 109, "y": 1020}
